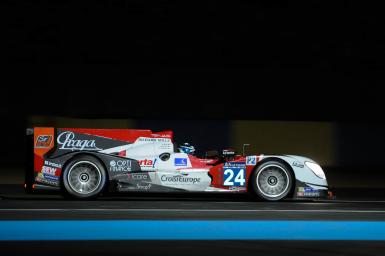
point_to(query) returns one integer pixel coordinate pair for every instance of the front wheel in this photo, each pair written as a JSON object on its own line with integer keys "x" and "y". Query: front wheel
{"x": 84, "y": 177}
{"x": 272, "y": 181}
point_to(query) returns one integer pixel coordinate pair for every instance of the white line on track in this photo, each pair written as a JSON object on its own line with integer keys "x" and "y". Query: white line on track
{"x": 349, "y": 201}
{"x": 194, "y": 210}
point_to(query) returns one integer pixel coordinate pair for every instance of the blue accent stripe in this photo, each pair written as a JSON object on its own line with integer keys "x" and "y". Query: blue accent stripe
{"x": 190, "y": 230}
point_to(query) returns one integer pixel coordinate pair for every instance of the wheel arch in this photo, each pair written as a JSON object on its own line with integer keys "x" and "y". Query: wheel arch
{"x": 80, "y": 154}
{"x": 278, "y": 159}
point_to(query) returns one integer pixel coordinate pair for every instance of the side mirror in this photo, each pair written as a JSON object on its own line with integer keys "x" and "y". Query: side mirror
{"x": 243, "y": 148}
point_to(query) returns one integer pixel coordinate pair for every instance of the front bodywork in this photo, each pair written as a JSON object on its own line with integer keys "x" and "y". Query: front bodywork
{"x": 141, "y": 160}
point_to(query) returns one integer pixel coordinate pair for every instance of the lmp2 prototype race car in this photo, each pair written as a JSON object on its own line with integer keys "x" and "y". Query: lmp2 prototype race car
{"x": 83, "y": 163}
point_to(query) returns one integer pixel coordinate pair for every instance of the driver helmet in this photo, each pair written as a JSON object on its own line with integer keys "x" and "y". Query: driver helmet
{"x": 187, "y": 148}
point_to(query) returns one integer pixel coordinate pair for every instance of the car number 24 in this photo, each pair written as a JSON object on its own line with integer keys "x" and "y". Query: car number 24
{"x": 233, "y": 176}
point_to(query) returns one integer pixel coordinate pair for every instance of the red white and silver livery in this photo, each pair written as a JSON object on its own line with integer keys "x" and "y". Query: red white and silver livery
{"x": 85, "y": 162}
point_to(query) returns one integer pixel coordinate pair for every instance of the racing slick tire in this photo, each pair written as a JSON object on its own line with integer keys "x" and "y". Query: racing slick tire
{"x": 272, "y": 181}
{"x": 84, "y": 177}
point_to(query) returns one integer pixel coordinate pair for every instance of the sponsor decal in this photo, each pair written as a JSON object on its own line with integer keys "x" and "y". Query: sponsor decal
{"x": 298, "y": 164}
{"x": 234, "y": 174}
{"x": 310, "y": 189}
{"x": 147, "y": 163}
{"x": 43, "y": 141}
{"x": 311, "y": 194}
{"x": 120, "y": 165}
{"x": 147, "y": 139}
{"x": 234, "y": 165}
{"x": 48, "y": 170}
{"x": 165, "y": 146}
{"x": 308, "y": 192}
{"x": 143, "y": 186}
{"x": 153, "y": 140}
{"x": 50, "y": 177}
{"x": 180, "y": 161}
{"x": 228, "y": 152}
{"x": 48, "y": 163}
{"x": 251, "y": 160}
{"x": 67, "y": 141}
{"x": 137, "y": 176}
{"x": 47, "y": 179}
{"x": 163, "y": 140}
{"x": 205, "y": 160}
{"x": 179, "y": 179}
{"x": 237, "y": 188}
{"x": 307, "y": 189}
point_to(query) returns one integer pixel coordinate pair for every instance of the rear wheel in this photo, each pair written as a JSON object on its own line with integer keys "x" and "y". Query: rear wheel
{"x": 272, "y": 181}
{"x": 84, "y": 177}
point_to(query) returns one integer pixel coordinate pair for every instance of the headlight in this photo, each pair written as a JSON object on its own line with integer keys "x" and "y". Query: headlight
{"x": 316, "y": 169}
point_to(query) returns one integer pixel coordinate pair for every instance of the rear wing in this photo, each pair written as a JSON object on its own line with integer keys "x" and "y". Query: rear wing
{"x": 39, "y": 140}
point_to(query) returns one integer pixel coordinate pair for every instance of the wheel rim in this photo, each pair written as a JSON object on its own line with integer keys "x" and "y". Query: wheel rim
{"x": 272, "y": 181}
{"x": 84, "y": 177}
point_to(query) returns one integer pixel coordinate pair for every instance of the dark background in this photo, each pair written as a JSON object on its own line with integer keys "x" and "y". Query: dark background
{"x": 197, "y": 68}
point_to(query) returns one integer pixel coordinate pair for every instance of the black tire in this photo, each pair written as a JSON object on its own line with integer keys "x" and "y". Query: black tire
{"x": 84, "y": 177}
{"x": 272, "y": 181}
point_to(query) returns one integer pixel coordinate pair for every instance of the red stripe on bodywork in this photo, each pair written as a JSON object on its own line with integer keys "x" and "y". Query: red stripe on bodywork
{"x": 129, "y": 135}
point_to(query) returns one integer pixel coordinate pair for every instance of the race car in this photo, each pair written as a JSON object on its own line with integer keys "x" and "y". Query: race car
{"x": 83, "y": 163}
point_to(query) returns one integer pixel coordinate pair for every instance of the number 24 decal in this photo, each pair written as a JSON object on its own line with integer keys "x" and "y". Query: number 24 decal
{"x": 234, "y": 177}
